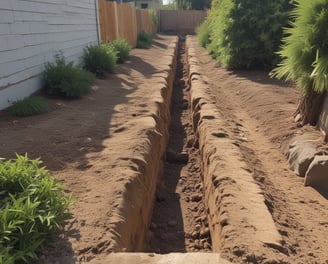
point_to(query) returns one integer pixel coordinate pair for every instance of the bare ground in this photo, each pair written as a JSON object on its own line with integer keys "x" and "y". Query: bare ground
{"x": 74, "y": 141}
{"x": 259, "y": 111}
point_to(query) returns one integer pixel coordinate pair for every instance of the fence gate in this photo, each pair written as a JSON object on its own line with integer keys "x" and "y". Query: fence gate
{"x": 180, "y": 21}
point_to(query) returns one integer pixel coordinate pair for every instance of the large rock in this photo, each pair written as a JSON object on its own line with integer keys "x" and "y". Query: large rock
{"x": 300, "y": 156}
{"x": 317, "y": 173}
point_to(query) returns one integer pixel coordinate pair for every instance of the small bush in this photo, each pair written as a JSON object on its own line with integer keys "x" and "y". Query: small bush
{"x": 144, "y": 40}
{"x": 32, "y": 208}
{"x": 153, "y": 17}
{"x": 99, "y": 59}
{"x": 122, "y": 48}
{"x": 33, "y": 105}
{"x": 65, "y": 79}
{"x": 203, "y": 34}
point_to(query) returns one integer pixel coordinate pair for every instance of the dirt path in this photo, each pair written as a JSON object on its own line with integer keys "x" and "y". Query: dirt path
{"x": 259, "y": 110}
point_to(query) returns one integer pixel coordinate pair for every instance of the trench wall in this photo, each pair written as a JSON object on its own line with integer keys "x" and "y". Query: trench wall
{"x": 239, "y": 220}
{"x": 134, "y": 205}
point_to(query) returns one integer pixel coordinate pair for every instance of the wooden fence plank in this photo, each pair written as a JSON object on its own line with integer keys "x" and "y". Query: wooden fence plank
{"x": 123, "y": 21}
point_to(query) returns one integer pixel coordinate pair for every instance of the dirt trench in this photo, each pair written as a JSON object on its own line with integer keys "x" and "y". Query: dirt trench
{"x": 179, "y": 222}
{"x": 224, "y": 173}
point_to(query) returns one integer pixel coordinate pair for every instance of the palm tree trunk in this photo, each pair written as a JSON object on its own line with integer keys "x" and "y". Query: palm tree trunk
{"x": 310, "y": 107}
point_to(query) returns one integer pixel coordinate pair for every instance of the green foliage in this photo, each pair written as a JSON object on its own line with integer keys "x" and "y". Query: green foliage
{"x": 247, "y": 33}
{"x": 153, "y": 16}
{"x": 99, "y": 59}
{"x": 33, "y": 105}
{"x": 304, "y": 51}
{"x": 65, "y": 79}
{"x": 122, "y": 48}
{"x": 32, "y": 208}
{"x": 184, "y": 4}
{"x": 144, "y": 40}
{"x": 203, "y": 33}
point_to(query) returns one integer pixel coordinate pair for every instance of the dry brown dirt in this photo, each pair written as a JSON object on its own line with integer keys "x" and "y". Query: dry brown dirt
{"x": 258, "y": 110}
{"x": 73, "y": 142}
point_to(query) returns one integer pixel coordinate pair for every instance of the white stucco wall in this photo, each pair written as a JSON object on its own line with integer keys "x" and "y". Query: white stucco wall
{"x": 32, "y": 32}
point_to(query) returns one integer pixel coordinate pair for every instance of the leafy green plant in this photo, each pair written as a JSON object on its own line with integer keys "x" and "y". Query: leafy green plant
{"x": 99, "y": 59}
{"x": 203, "y": 33}
{"x": 33, "y": 105}
{"x": 122, "y": 48}
{"x": 304, "y": 55}
{"x": 144, "y": 40}
{"x": 65, "y": 79}
{"x": 247, "y": 33}
{"x": 32, "y": 208}
{"x": 153, "y": 17}
{"x": 304, "y": 49}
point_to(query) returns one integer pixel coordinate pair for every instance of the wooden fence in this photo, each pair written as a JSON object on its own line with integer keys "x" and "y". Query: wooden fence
{"x": 180, "y": 21}
{"x": 123, "y": 21}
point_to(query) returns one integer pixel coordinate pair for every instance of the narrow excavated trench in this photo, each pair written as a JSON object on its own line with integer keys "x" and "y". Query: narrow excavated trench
{"x": 179, "y": 222}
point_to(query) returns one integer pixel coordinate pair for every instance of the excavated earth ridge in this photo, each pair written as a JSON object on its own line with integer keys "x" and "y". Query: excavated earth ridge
{"x": 228, "y": 187}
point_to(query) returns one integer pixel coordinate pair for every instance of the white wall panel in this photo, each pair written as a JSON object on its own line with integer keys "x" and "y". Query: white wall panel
{"x": 32, "y": 32}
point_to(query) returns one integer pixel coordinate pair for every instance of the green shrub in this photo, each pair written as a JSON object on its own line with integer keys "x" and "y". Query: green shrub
{"x": 65, "y": 79}
{"x": 32, "y": 208}
{"x": 122, "y": 48}
{"x": 144, "y": 40}
{"x": 153, "y": 17}
{"x": 33, "y": 105}
{"x": 203, "y": 34}
{"x": 247, "y": 33}
{"x": 304, "y": 51}
{"x": 99, "y": 59}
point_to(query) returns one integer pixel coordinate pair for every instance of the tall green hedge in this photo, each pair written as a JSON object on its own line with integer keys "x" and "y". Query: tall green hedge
{"x": 246, "y": 33}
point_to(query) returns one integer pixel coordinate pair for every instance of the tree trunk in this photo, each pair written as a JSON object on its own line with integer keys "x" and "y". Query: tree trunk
{"x": 309, "y": 107}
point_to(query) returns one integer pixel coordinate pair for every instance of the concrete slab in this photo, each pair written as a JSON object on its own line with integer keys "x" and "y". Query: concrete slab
{"x": 151, "y": 258}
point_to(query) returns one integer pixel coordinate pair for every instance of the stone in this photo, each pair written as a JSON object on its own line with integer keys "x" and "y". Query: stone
{"x": 300, "y": 157}
{"x": 153, "y": 226}
{"x": 205, "y": 233}
{"x": 176, "y": 156}
{"x": 317, "y": 173}
{"x": 195, "y": 234}
{"x": 196, "y": 198}
{"x": 172, "y": 223}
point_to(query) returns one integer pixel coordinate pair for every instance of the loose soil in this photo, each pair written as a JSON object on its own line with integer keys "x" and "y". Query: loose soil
{"x": 71, "y": 141}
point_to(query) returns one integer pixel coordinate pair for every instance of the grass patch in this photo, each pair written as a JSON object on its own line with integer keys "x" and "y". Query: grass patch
{"x": 30, "y": 106}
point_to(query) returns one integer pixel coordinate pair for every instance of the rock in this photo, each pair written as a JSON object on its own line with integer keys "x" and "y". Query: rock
{"x": 153, "y": 226}
{"x": 300, "y": 156}
{"x": 160, "y": 196}
{"x": 184, "y": 105}
{"x": 197, "y": 227}
{"x": 195, "y": 234}
{"x": 317, "y": 173}
{"x": 172, "y": 223}
{"x": 176, "y": 157}
{"x": 205, "y": 233}
{"x": 196, "y": 198}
